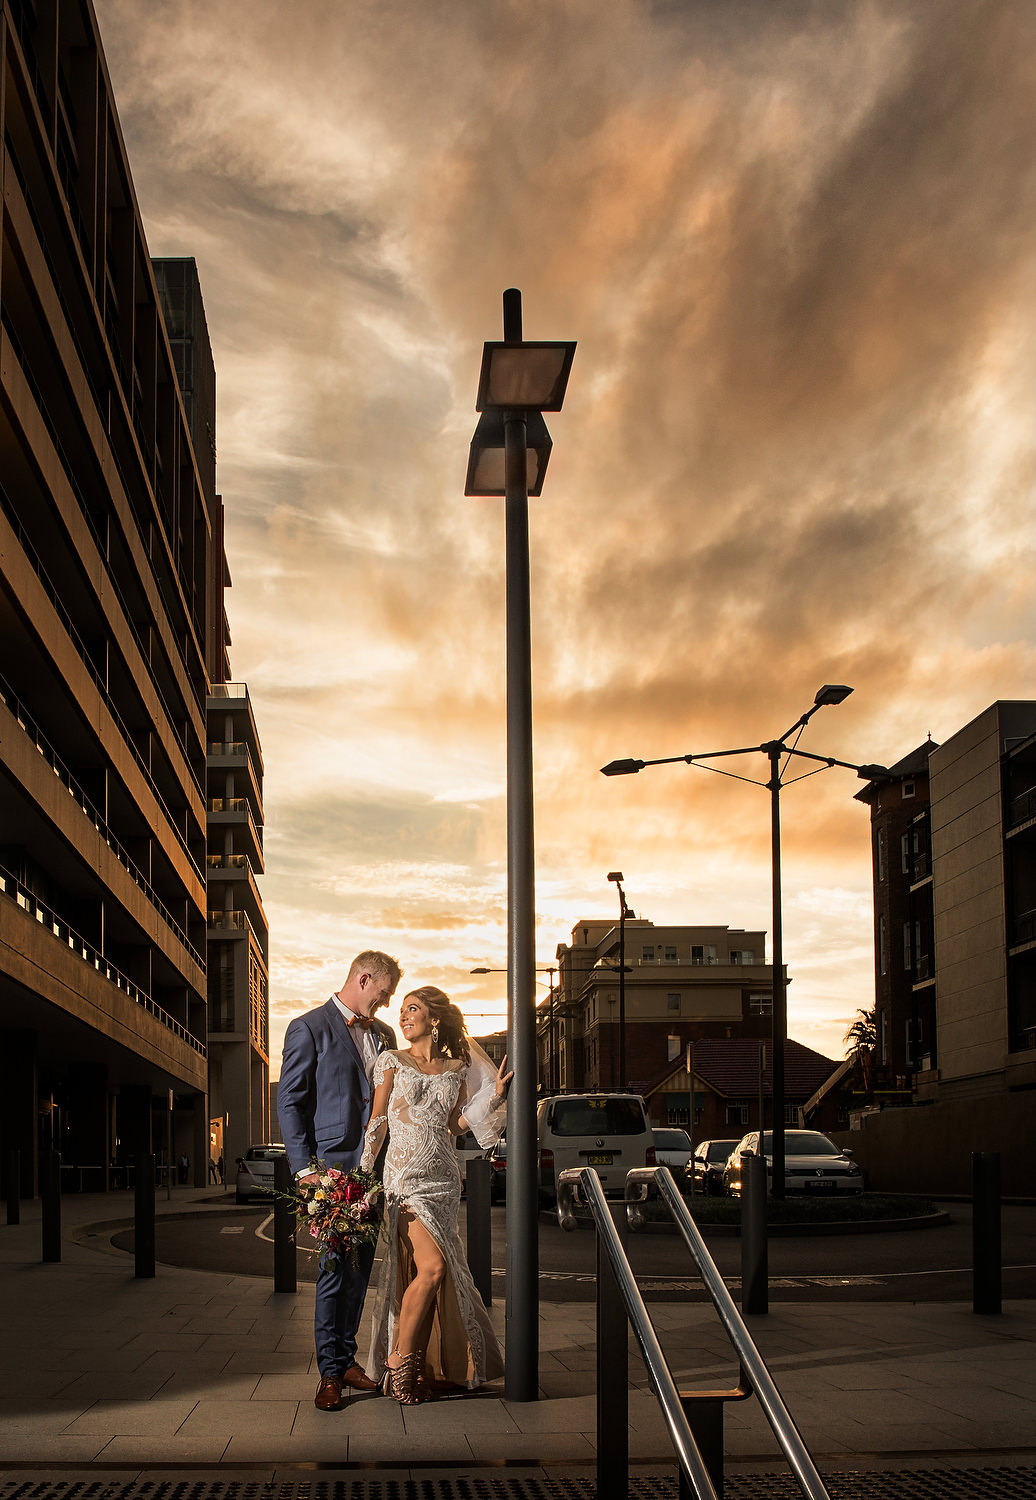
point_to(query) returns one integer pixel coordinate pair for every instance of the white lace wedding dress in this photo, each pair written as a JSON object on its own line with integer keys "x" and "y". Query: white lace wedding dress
{"x": 422, "y": 1173}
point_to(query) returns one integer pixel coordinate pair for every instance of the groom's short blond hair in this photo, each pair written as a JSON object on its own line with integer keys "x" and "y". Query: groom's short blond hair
{"x": 381, "y": 965}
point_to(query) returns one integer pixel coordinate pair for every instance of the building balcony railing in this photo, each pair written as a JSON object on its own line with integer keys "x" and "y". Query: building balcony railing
{"x": 920, "y": 866}
{"x": 1023, "y": 928}
{"x": 237, "y": 748}
{"x": 228, "y": 921}
{"x": 227, "y": 862}
{"x": 1021, "y": 808}
{"x": 11, "y": 887}
{"x": 82, "y": 801}
{"x": 228, "y": 690}
{"x": 9, "y": 509}
{"x": 923, "y": 968}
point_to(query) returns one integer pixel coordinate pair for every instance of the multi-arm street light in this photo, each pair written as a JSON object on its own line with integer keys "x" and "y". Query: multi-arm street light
{"x": 519, "y": 381}
{"x": 774, "y": 750}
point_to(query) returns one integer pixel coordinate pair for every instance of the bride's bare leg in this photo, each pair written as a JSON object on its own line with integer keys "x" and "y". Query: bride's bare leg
{"x": 418, "y": 1302}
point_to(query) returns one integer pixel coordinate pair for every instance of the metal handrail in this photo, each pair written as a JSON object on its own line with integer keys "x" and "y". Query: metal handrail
{"x": 691, "y": 1462}
{"x": 777, "y": 1414}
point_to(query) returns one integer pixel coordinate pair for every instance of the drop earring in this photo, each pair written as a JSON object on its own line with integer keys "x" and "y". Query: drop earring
{"x": 435, "y": 1033}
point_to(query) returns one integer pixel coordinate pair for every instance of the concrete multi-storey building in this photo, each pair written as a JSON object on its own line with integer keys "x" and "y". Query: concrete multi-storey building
{"x": 237, "y": 944}
{"x": 972, "y": 865}
{"x": 904, "y": 957}
{"x": 111, "y": 632}
{"x": 682, "y": 983}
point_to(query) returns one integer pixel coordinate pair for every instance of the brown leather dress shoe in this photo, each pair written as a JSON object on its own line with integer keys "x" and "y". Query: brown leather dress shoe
{"x": 329, "y": 1393}
{"x": 357, "y": 1377}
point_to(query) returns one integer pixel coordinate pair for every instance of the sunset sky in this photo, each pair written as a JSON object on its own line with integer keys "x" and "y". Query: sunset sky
{"x": 795, "y": 243}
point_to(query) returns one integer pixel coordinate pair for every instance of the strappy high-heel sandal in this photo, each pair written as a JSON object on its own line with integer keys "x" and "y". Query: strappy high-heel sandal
{"x": 401, "y": 1382}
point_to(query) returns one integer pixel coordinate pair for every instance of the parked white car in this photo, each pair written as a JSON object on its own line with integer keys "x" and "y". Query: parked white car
{"x": 672, "y": 1149}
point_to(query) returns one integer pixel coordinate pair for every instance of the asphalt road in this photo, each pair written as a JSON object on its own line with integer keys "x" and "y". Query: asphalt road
{"x": 923, "y": 1265}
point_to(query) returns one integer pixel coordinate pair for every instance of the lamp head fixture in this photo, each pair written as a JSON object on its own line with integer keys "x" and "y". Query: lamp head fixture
{"x": 830, "y": 694}
{"x": 616, "y": 875}
{"x": 872, "y": 773}
{"x": 622, "y": 768}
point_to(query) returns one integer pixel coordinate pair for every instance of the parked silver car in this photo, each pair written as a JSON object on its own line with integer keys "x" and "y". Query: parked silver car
{"x": 255, "y": 1171}
{"x": 813, "y": 1164}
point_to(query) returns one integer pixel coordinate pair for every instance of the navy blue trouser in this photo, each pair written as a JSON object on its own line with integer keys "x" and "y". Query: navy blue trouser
{"x": 341, "y": 1288}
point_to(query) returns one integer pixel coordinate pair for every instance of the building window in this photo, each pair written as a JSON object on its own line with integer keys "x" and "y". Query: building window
{"x": 672, "y": 1002}
{"x": 904, "y": 854}
{"x": 760, "y": 1003}
{"x": 705, "y": 953}
{"x": 908, "y": 957}
{"x": 791, "y": 1114}
{"x": 908, "y": 789}
{"x": 670, "y": 954}
{"x": 879, "y": 853}
{"x": 883, "y": 957}
{"x": 737, "y": 1114}
{"x": 647, "y": 955}
{"x": 742, "y": 955}
{"x": 883, "y": 1037}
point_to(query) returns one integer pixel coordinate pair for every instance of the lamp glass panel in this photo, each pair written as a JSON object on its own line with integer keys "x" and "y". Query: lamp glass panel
{"x": 487, "y": 476}
{"x": 525, "y": 375}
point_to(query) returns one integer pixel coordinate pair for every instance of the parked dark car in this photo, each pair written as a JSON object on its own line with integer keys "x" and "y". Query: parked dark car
{"x": 498, "y": 1181}
{"x": 813, "y": 1164}
{"x": 710, "y": 1158}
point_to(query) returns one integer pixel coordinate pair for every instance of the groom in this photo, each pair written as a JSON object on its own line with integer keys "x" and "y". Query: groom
{"x": 324, "y": 1103}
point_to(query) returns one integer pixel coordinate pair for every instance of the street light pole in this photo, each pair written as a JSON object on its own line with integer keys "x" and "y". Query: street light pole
{"x": 617, "y": 877}
{"x": 519, "y": 381}
{"x": 830, "y": 693}
{"x": 779, "y": 998}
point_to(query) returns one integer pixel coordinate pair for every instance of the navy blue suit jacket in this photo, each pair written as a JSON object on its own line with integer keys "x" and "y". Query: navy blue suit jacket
{"x": 324, "y": 1094}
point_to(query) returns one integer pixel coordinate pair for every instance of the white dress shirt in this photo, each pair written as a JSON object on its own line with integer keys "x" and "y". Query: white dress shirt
{"x": 363, "y": 1036}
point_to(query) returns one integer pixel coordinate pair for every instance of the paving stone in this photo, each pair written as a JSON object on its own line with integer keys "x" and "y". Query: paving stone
{"x": 132, "y": 1418}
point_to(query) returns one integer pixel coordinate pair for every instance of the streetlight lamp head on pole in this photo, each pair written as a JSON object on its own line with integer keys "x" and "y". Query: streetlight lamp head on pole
{"x": 830, "y": 694}
{"x": 622, "y": 768}
{"x": 486, "y": 463}
{"x": 525, "y": 375}
{"x": 617, "y": 876}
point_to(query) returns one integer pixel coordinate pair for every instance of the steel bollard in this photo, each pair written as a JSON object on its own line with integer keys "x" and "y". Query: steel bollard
{"x": 285, "y": 1276}
{"x": 755, "y": 1291}
{"x": 477, "y": 1179}
{"x": 50, "y": 1193}
{"x": 144, "y": 1216}
{"x": 613, "y": 1455}
{"x": 985, "y": 1232}
{"x": 13, "y": 1187}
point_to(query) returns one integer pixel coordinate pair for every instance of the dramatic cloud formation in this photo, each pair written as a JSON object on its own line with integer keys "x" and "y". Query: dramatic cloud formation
{"x": 795, "y": 243}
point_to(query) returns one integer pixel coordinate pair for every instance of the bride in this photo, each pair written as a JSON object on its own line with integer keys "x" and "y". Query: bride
{"x": 430, "y": 1327}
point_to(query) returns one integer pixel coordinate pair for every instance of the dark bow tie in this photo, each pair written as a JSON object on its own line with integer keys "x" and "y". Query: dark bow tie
{"x": 356, "y": 1020}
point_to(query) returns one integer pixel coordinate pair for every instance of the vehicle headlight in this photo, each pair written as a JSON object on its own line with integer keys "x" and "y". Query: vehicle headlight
{"x": 852, "y": 1170}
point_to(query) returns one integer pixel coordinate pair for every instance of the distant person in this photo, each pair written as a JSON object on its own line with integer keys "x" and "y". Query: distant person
{"x": 213, "y": 1176}
{"x": 219, "y": 1167}
{"x": 324, "y": 1104}
{"x": 183, "y": 1167}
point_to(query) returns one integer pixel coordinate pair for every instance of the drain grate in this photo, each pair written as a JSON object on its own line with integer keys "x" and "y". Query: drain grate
{"x": 931, "y": 1484}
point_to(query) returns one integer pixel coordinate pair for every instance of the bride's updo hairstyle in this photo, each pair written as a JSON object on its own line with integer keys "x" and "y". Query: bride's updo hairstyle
{"x": 453, "y": 1033}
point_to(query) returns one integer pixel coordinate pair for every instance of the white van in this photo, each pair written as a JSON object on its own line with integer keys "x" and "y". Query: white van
{"x": 608, "y": 1131}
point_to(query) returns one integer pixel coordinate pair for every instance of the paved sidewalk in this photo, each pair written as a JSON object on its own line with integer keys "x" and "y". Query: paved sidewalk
{"x": 105, "y": 1374}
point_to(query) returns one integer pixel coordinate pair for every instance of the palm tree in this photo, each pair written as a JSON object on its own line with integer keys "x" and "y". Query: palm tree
{"x": 861, "y": 1041}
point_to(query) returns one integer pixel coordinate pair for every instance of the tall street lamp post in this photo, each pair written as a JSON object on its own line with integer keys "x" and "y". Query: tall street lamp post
{"x": 519, "y": 381}
{"x": 774, "y": 750}
{"x": 624, "y": 912}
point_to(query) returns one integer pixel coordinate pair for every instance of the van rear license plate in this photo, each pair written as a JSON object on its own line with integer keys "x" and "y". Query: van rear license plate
{"x": 598, "y": 1158}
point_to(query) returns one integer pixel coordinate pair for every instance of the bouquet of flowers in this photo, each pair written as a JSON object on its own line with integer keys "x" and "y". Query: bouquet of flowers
{"x": 339, "y": 1210}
